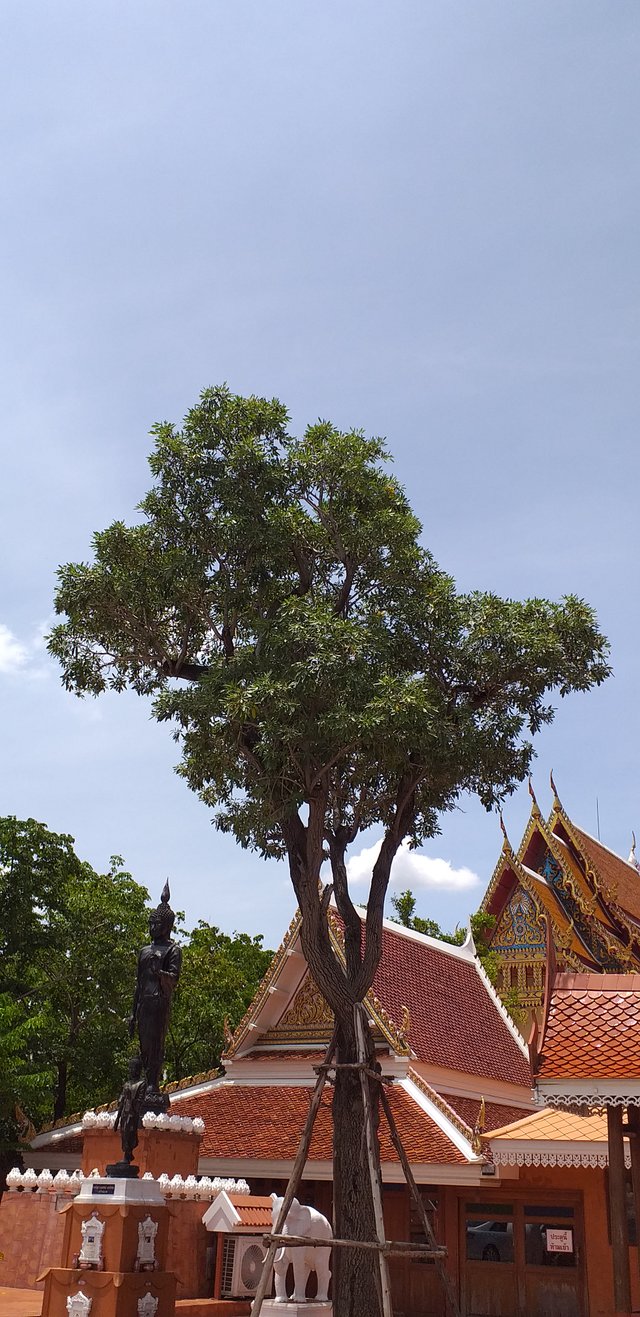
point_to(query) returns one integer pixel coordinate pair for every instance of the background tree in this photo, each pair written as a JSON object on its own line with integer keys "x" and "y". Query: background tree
{"x": 322, "y": 676}
{"x": 65, "y": 991}
{"x": 66, "y": 983}
{"x": 79, "y": 992}
{"x": 220, "y": 976}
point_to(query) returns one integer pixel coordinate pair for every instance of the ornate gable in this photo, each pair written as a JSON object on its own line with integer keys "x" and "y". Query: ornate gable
{"x": 553, "y": 878}
{"x": 519, "y": 939}
{"x": 307, "y": 1019}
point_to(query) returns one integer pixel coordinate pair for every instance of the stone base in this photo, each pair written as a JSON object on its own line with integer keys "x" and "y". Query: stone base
{"x": 271, "y": 1308}
{"x": 108, "y": 1190}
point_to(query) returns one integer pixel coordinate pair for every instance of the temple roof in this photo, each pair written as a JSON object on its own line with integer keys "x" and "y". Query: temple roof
{"x": 592, "y": 1028}
{"x": 456, "y": 1020}
{"x": 265, "y": 1123}
{"x": 552, "y": 1138}
{"x": 590, "y": 895}
{"x": 496, "y": 1114}
{"x": 619, "y": 875}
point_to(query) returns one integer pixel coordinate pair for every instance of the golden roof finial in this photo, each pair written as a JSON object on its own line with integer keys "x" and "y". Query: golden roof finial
{"x": 507, "y": 843}
{"x": 535, "y": 807}
{"x": 553, "y": 786}
{"x": 478, "y": 1130}
{"x": 405, "y": 1024}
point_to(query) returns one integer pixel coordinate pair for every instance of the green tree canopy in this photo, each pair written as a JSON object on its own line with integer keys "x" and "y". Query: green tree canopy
{"x": 67, "y": 981}
{"x": 321, "y": 674}
{"x": 219, "y": 978}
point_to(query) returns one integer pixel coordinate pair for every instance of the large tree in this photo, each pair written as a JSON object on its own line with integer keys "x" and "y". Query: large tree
{"x": 322, "y": 676}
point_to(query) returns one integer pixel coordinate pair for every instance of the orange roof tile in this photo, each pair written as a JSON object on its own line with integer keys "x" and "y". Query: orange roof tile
{"x": 592, "y": 1029}
{"x": 556, "y": 1124}
{"x": 454, "y": 1020}
{"x": 253, "y": 1210}
{"x": 265, "y": 1122}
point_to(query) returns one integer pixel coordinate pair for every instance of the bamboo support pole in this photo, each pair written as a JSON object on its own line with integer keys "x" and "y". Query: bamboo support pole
{"x": 294, "y": 1180}
{"x": 388, "y": 1246}
{"x": 417, "y": 1198}
{"x": 376, "y": 1189}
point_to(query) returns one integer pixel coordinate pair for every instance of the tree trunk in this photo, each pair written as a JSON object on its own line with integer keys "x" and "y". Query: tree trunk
{"x": 357, "y": 1290}
{"x": 356, "y": 1282}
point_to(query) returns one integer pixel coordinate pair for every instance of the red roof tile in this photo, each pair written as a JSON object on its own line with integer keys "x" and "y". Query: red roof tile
{"x": 67, "y": 1143}
{"x": 621, "y": 876}
{"x": 265, "y": 1122}
{"x": 592, "y": 1029}
{"x": 454, "y": 1020}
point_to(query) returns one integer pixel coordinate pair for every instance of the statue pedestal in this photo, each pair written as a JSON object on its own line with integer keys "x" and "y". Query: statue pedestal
{"x": 311, "y": 1308}
{"x": 126, "y": 1268}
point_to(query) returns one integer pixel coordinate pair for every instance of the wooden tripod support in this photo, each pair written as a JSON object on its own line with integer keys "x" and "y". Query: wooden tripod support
{"x": 383, "y": 1247}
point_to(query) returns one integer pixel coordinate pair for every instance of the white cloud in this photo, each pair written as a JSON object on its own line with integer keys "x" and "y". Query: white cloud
{"x": 413, "y": 869}
{"x": 29, "y": 660}
{"x": 12, "y": 654}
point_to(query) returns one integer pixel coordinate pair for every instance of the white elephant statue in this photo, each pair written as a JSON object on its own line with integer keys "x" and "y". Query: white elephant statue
{"x": 305, "y": 1221}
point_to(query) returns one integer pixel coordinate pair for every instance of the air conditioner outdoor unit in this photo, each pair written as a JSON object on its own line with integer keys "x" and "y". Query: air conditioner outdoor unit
{"x": 242, "y": 1259}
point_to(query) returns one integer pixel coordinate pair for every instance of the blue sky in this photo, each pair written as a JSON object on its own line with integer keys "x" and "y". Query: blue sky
{"x": 420, "y": 218}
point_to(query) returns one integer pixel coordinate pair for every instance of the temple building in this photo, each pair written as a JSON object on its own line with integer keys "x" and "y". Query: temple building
{"x": 562, "y": 879}
{"x": 517, "y": 1194}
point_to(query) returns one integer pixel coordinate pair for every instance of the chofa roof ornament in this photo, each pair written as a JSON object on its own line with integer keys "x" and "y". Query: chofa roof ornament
{"x": 633, "y": 859}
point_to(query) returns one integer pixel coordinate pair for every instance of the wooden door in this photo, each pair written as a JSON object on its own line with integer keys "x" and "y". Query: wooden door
{"x": 488, "y": 1255}
{"x": 522, "y": 1258}
{"x": 553, "y": 1259}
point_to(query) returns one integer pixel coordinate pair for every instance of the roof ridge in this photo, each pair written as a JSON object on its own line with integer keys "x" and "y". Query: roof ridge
{"x": 577, "y": 828}
{"x": 510, "y": 1023}
{"x": 460, "y": 950}
{"x": 440, "y": 1102}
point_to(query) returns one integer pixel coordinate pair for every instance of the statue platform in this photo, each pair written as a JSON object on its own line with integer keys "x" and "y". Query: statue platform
{"x": 114, "y": 1252}
{"x": 112, "y": 1294}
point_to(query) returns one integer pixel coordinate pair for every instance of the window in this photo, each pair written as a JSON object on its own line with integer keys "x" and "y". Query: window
{"x": 489, "y": 1232}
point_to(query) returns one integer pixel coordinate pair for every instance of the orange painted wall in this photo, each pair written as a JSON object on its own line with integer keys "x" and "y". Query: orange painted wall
{"x": 31, "y": 1237}
{"x": 158, "y": 1151}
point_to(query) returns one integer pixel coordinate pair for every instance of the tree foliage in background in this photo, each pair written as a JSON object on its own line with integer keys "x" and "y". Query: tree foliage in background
{"x": 68, "y": 963}
{"x": 67, "y": 975}
{"x": 219, "y": 978}
{"x": 322, "y": 675}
